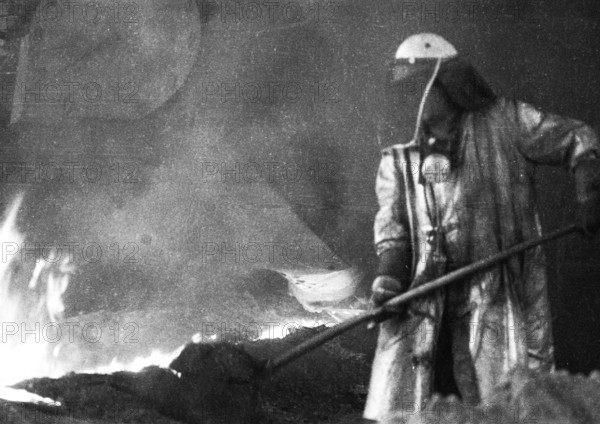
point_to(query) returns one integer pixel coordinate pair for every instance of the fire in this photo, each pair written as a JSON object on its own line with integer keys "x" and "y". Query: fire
{"x": 156, "y": 358}
{"x": 30, "y": 313}
{"x": 24, "y": 353}
{"x": 23, "y": 396}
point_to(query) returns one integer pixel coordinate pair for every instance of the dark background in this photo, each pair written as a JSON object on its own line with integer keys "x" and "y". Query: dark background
{"x": 180, "y": 57}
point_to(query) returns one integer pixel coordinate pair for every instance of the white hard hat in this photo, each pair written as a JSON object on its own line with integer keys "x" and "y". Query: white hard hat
{"x": 425, "y": 46}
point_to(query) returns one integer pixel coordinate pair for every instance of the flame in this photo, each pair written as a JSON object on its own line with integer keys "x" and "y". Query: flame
{"x": 156, "y": 358}
{"x": 24, "y": 352}
{"x": 23, "y": 396}
{"x": 24, "y": 311}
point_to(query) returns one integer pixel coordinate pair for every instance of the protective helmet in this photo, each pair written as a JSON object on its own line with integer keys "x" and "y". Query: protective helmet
{"x": 422, "y": 48}
{"x": 425, "y": 46}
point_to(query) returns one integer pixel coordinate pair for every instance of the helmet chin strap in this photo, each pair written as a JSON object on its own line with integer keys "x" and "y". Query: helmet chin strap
{"x": 426, "y": 92}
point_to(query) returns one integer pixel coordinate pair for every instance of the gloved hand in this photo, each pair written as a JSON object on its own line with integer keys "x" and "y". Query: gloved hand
{"x": 587, "y": 177}
{"x": 384, "y": 288}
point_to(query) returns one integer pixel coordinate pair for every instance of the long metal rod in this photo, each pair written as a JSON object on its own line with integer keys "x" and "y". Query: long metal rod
{"x": 294, "y": 353}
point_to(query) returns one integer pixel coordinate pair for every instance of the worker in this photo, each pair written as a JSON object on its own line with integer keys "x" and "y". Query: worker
{"x": 462, "y": 190}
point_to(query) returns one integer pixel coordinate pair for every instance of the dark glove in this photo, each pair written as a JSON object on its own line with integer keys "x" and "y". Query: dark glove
{"x": 587, "y": 178}
{"x": 384, "y": 288}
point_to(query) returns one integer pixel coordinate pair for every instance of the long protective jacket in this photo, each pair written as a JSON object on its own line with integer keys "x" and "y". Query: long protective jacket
{"x": 499, "y": 318}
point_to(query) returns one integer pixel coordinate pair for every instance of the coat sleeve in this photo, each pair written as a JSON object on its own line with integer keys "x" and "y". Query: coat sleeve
{"x": 392, "y": 240}
{"x": 550, "y": 139}
{"x": 391, "y": 222}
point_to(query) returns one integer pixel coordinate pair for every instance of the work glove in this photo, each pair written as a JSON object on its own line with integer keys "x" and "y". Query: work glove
{"x": 587, "y": 178}
{"x": 384, "y": 288}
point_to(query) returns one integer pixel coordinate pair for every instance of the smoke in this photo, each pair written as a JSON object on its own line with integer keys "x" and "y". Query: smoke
{"x": 226, "y": 176}
{"x": 254, "y": 130}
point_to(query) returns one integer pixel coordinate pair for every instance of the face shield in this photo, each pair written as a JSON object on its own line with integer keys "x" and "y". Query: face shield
{"x": 406, "y": 85}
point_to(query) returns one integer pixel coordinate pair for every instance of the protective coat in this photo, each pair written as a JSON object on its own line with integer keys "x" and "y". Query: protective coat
{"x": 500, "y": 318}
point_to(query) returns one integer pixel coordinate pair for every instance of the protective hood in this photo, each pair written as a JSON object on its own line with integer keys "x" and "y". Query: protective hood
{"x": 464, "y": 85}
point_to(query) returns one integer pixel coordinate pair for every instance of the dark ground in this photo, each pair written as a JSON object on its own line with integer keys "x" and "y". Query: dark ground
{"x": 218, "y": 384}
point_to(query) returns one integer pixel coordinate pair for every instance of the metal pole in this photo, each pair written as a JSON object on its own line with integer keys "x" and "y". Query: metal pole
{"x": 294, "y": 353}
